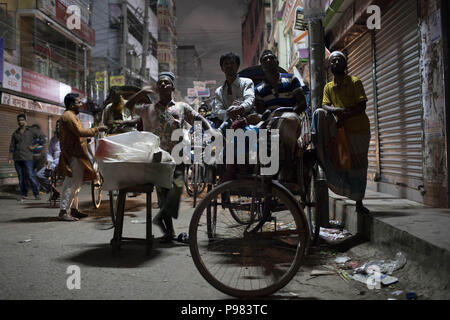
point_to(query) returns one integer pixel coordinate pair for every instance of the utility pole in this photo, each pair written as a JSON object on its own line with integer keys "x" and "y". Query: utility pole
{"x": 317, "y": 61}
{"x": 123, "y": 58}
{"x": 146, "y": 40}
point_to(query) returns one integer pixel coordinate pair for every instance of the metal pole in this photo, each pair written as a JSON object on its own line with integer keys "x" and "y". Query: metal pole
{"x": 146, "y": 40}
{"x": 85, "y": 70}
{"x": 317, "y": 62}
{"x": 123, "y": 59}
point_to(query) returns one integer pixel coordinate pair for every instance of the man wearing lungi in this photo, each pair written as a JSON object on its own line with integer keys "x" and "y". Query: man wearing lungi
{"x": 344, "y": 105}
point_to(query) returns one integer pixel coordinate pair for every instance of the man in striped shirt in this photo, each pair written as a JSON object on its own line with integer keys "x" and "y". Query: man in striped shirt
{"x": 281, "y": 90}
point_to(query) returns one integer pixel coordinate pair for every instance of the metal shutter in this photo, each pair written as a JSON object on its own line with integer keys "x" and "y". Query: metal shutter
{"x": 399, "y": 96}
{"x": 359, "y": 54}
{"x": 8, "y": 124}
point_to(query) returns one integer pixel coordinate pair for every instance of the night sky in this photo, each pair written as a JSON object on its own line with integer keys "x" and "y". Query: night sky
{"x": 214, "y": 27}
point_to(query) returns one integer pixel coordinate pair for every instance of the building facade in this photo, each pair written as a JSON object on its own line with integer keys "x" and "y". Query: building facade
{"x": 189, "y": 69}
{"x": 403, "y": 64}
{"x": 127, "y": 45}
{"x": 45, "y": 55}
{"x": 167, "y": 45}
{"x": 253, "y": 33}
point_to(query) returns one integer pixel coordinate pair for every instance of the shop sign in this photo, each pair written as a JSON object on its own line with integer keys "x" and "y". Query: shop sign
{"x": 27, "y": 104}
{"x": 199, "y": 85}
{"x": 40, "y": 86}
{"x": 203, "y": 93}
{"x": 117, "y": 81}
{"x": 32, "y": 83}
{"x": 12, "y": 77}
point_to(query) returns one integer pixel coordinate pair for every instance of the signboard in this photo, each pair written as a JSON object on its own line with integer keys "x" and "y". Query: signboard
{"x": 191, "y": 92}
{"x": 199, "y": 85}
{"x": 32, "y": 83}
{"x": 211, "y": 82}
{"x": 1, "y": 59}
{"x": 12, "y": 77}
{"x": 300, "y": 22}
{"x": 203, "y": 93}
{"x": 117, "y": 81}
{"x": 38, "y": 85}
{"x": 101, "y": 80}
{"x": 28, "y": 104}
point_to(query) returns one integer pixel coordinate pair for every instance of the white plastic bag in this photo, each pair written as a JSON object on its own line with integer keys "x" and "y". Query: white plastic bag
{"x": 125, "y": 160}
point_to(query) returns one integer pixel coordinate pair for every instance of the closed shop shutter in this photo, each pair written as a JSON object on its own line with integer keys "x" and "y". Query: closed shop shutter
{"x": 399, "y": 96}
{"x": 8, "y": 124}
{"x": 359, "y": 54}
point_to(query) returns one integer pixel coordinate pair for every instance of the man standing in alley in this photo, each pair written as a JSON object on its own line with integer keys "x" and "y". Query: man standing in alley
{"x": 74, "y": 163}
{"x": 21, "y": 152}
{"x": 161, "y": 119}
{"x": 344, "y": 109}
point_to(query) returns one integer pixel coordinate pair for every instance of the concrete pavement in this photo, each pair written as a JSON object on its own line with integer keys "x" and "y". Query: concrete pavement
{"x": 36, "y": 250}
{"x": 396, "y": 224}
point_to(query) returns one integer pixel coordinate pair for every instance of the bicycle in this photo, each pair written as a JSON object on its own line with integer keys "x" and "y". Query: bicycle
{"x": 260, "y": 253}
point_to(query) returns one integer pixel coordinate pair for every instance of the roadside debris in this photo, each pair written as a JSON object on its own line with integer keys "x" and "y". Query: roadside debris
{"x": 333, "y": 234}
{"x": 341, "y": 260}
{"x": 397, "y": 293}
{"x": 411, "y": 296}
{"x": 25, "y": 241}
{"x": 384, "y": 266}
{"x": 316, "y": 273}
{"x": 138, "y": 221}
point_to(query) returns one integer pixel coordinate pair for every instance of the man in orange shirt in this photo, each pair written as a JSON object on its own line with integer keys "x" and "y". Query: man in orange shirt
{"x": 74, "y": 163}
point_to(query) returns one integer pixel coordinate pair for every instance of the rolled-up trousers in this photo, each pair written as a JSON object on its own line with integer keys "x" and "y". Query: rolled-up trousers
{"x": 72, "y": 186}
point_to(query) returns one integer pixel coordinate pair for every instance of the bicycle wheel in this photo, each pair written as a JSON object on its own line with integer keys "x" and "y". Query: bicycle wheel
{"x": 96, "y": 191}
{"x": 253, "y": 259}
{"x": 316, "y": 203}
{"x": 195, "y": 184}
{"x": 241, "y": 216}
{"x": 189, "y": 180}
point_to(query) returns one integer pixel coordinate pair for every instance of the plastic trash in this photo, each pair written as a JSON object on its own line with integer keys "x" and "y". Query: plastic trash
{"x": 341, "y": 260}
{"x": 25, "y": 241}
{"x": 385, "y": 266}
{"x": 411, "y": 296}
{"x": 397, "y": 293}
{"x": 183, "y": 237}
{"x": 134, "y": 158}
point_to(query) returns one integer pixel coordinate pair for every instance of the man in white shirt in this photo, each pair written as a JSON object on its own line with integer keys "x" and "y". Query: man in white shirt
{"x": 237, "y": 92}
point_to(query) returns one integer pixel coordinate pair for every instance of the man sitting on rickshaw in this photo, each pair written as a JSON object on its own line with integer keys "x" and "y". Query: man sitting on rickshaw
{"x": 276, "y": 91}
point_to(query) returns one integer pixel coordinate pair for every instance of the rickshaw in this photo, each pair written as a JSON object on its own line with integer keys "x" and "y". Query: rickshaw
{"x": 249, "y": 236}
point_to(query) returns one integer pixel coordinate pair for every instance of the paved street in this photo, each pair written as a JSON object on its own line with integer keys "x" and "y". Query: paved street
{"x": 36, "y": 250}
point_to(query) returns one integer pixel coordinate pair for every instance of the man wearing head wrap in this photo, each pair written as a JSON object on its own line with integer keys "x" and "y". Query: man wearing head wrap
{"x": 344, "y": 105}
{"x": 162, "y": 118}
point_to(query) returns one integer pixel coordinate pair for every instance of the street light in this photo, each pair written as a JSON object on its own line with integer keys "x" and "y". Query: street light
{"x": 314, "y": 12}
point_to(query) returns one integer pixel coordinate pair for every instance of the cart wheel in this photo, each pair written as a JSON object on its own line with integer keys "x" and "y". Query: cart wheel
{"x": 96, "y": 192}
{"x": 253, "y": 259}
